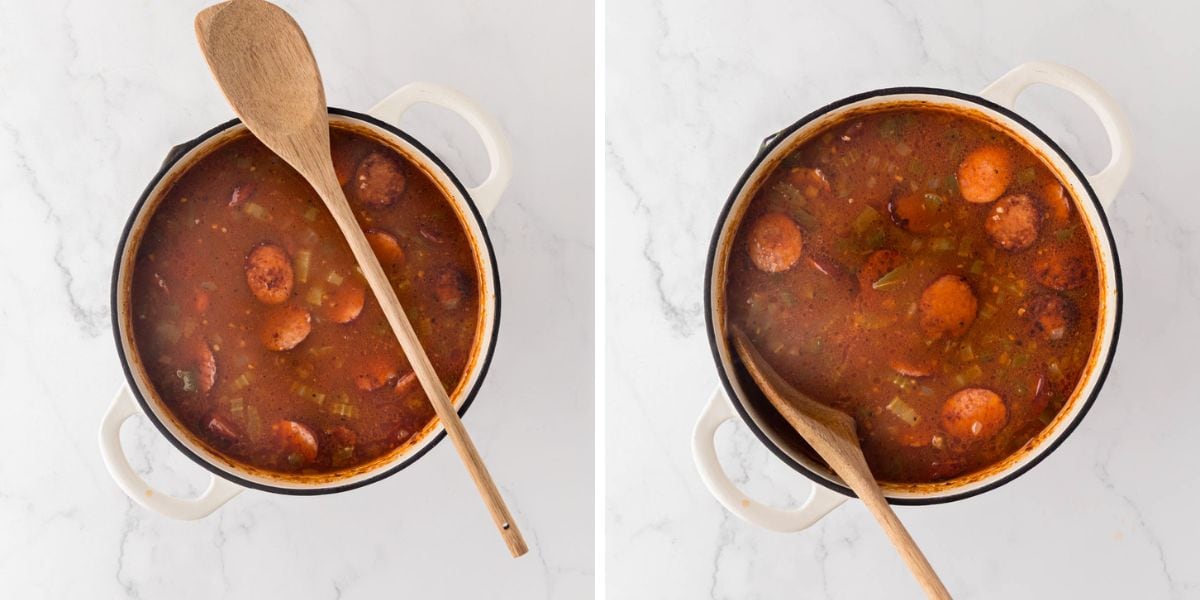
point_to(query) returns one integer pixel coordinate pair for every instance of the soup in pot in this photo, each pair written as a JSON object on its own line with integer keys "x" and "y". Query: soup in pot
{"x": 926, "y": 273}
{"x": 257, "y": 328}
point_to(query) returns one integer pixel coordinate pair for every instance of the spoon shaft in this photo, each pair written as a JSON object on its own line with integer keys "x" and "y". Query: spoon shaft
{"x": 324, "y": 180}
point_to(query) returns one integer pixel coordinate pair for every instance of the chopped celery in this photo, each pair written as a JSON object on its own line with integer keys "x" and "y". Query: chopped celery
{"x": 242, "y": 381}
{"x": 902, "y": 410}
{"x": 977, "y": 267}
{"x": 310, "y": 214}
{"x": 1026, "y": 176}
{"x": 866, "y": 219}
{"x": 941, "y": 244}
{"x": 255, "y": 210}
{"x": 303, "y": 258}
{"x": 315, "y": 296}
{"x": 168, "y": 332}
{"x": 334, "y": 278}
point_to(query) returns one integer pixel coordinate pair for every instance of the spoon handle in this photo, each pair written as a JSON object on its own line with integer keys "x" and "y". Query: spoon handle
{"x": 324, "y": 180}
{"x": 906, "y": 547}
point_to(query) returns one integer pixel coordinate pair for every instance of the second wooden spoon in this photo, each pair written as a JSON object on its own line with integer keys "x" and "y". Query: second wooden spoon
{"x": 832, "y": 434}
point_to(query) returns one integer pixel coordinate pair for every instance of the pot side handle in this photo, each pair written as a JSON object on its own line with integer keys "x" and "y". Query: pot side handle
{"x": 1108, "y": 181}
{"x": 819, "y": 503}
{"x": 487, "y": 194}
{"x": 219, "y": 490}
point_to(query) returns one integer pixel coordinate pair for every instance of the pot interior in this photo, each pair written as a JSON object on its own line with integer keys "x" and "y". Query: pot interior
{"x": 774, "y": 431}
{"x": 240, "y": 472}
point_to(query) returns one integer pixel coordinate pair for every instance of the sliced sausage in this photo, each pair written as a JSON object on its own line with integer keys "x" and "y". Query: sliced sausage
{"x": 1057, "y": 204}
{"x": 379, "y": 180}
{"x": 295, "y": 439}
{"x": 449, "y": 287}
{"x": 974, "y": 414}
{"x": 269, "y": 273}
{"x": 375, "y": 373}
{"x": 879, "y": 263}
{"x": 407, "y": 384}
{"x": 914, "y": 367}
{"x": 913, "y": 213}
{"x": 1014, "y": 221}
{"x": 241, "y": 193}
{"x": 386, "y": 248}
{"x": 1062, "y": 271}
{"x": 810, "y": 182}
{"x": 948, "y": 307}
{"x": 984, "y": 174}
{"x": 775, "y": 243}
{"x": 1051, "y": 317}
{"x": 221, "y": 428}
{"x": 206, "y": 367}
{"x": 345, "y": 302}
{"x": 285, "y": 327}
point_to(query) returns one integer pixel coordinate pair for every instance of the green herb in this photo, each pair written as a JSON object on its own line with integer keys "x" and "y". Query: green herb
{"x": 977, "y": 267}
{"x": 891, "y": 278}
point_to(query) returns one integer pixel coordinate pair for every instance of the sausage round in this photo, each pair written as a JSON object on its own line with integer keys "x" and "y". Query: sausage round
{"x": 1013, "y": 222}
{"x": 913, "y": 213}
{"x": 810, "y": 182}
{"x": 295, "y": 438}
{"x": 775, "y": 243}
{"x": 374, "y": 373}
{"x": 878, "y": 264}
{"x": 1061, "y": 271}
{"x": 285, "y": 327}
{"x": 984, "y": 174}
{"x": 386, "y": 248}
{"x": 449, "y": 287}
{"x": 269, "y": 273}
{"x": 1052, "y": 317}
{"x": 948, "y": 307}
{"x": 219, "y": 427}
{"x": 379, "y": 180}
{"x": 206, "y": 367}
{"x": 974, "y": 414}
{"x": 345, "y": 302}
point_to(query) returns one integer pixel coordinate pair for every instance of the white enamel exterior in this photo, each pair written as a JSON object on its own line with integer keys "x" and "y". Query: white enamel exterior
{"x": 1106, "y": 184}
{"x": 221, "y": 490}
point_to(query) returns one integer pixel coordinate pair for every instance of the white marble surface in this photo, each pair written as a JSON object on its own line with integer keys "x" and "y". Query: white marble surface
{"x": 92, "y": 94}
{"x": 691, "y": 91}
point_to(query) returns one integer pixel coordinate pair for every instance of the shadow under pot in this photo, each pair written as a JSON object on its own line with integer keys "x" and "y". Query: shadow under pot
{"x": 931, "y": 263}
{"x": 249, "y": 336}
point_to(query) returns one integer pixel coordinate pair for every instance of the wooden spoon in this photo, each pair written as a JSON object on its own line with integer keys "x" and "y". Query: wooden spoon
{"x": 264, "y": 65}
{"x": 832, "y": 434}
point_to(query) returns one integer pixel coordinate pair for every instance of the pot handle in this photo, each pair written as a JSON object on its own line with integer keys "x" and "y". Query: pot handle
{"x": 1108, "y": 181}
{"x": 820, "y": 500}
{"x": 219, "y": 490}
{"x": 487, "y": 194}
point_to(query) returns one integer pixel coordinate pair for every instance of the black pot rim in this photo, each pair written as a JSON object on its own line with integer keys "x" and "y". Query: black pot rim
{"x": 173, "y": 157}
{"x": 765, "y": 150}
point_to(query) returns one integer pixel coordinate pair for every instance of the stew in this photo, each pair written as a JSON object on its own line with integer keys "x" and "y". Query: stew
{"x": 256, "y": 326}
{"x": 924, "y": 272}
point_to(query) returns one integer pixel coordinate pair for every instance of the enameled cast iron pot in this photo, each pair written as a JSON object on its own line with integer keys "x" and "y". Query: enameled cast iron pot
{"x": 994, "y": 105}
{"x": 228, "y": 478}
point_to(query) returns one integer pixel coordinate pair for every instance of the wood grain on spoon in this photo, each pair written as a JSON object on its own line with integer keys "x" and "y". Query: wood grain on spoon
{"x": 262, "y": 61}
{"x": 832, "y": 434}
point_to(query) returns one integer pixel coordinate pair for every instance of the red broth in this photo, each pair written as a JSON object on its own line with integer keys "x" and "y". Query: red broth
{"x": 258, "y": 330}
{"x": 924, "y": 272}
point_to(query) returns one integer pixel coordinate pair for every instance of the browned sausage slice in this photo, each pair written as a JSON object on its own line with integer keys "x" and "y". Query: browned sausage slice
{"x": 295, "y": 439}
{"x": 407, "y": 384}
{"x": 375, "y": 373}
{"x": 878, "y": 264}
{"x": 1057, "y": 203}
{"x": 345, "y": 302}
{"x": 269, "y": 273}
{"x": 1052, "y": 317}
{"x": 386, "y": 248}
{"x": 221, "y": 428}
{"x": 285, "y": 327}
{"x": 379, "y": 180}
{"x": 206, "y": 367}
{"x": 775, "y": 243}
{"x": 984, "y": 174}
{"x": 1061, "y": 271}
{"x": 1013, "y": 222}
{"x": 241, "y": 193}
{"x": 948, "y": 307}
{"x": 974, "y": 414}
{"x": 914, "y": 213}
{"x": 449, "y": 287}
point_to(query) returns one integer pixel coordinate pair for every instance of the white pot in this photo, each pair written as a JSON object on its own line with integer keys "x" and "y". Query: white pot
{"x": 229, "y": 478}
{"x": 995, "y": 105}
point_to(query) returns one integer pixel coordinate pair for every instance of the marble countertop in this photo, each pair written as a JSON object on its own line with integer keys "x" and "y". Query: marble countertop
{"x": 92, "y": 95}
{"x": 691, "y": 91}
